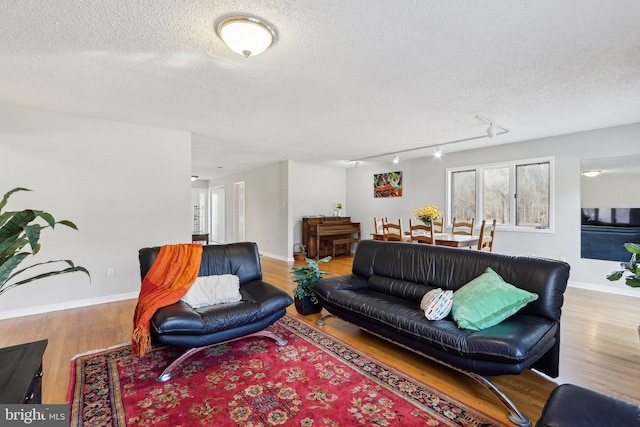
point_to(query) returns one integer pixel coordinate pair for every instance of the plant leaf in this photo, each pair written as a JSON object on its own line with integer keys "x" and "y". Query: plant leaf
{"x": 633, "y": 281}
{"x": 616, "y": 275}
{"x": 16, "y": 224}
{"x": 47, "y": 217}
{"x": 43, "y": 275}
{"x": 3, "y": 203}
{"x": 11, "y": 264}
{"x": 634, "y": 248}
{"x": 33, "y": 234}
{"x": 68, "y": 224}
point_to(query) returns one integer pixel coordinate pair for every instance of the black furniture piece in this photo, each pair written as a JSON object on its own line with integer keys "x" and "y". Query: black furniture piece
{"x": 569, "y": 405}
{"x": 21, "y": 373}
{"x": 196, "y": 329}
{"x": 389, "y": 279}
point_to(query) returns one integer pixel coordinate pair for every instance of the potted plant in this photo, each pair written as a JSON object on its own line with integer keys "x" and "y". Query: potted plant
{"x": 300, "y": 253}
{"x": 304, "y": 275}
{"x": 632, "y": 267}
{"x": 19, "y": 229}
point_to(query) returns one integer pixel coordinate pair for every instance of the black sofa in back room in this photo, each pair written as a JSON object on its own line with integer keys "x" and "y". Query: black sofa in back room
{"x": 389, "y": 279}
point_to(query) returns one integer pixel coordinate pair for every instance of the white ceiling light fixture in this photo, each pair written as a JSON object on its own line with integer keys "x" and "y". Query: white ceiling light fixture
{"x": 592, "y": 173}
{"x": 437, "y": 153}
{"x": 396, "y": 159}
{"x": 246, "y": 35}
{"x": 194, "y": 177}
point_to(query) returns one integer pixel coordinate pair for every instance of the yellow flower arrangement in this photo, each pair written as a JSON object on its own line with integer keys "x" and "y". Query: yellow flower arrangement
{"x": 339, "y": 206}
{"x": 427, "y": 214}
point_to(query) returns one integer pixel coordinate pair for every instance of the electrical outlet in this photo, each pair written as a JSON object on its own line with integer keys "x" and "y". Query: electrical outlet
{"x": 111, "y": 272}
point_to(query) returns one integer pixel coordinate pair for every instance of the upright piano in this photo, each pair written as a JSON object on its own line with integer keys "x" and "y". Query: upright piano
{"x": 328, "y": 235}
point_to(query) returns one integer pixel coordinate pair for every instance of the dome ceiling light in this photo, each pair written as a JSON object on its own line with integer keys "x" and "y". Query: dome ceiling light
{"x": 246, "y": 35}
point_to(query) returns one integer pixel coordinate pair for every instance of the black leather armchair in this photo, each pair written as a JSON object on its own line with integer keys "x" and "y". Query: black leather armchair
{"x": 570, "y": 405}
{"x": 196, "y": 329}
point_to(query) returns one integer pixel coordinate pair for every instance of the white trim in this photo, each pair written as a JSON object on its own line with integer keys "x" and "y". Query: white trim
{"x": 270, "y": 255}
{"x": 67, "y": 305}
{"x": 631, "y": 292}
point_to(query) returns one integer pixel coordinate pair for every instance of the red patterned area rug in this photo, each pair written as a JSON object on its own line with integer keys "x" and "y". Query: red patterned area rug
{"x": 313, "y": 381}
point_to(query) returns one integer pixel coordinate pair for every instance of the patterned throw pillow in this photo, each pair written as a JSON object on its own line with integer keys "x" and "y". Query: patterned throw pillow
{"x": 436, "y": 304}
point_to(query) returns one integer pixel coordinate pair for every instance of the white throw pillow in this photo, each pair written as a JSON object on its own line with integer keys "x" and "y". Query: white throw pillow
{"x": 436, "y": 304}
{"x": 211, "y": 290}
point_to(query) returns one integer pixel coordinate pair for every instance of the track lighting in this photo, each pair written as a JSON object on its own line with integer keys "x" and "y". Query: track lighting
{"x": 493, "y": 129}
{"x": 437, "y": 153}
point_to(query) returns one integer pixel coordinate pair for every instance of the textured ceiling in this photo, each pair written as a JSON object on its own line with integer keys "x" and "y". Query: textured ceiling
{"x": 345, "y": 79}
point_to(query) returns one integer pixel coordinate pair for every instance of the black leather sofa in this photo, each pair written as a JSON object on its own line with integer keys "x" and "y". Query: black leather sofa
{"x": 388, "y": 280}
{"x": 261, "y": 305}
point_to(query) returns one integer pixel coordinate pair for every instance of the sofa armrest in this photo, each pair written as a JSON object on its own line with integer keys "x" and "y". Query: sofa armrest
{"x": 324, "y": 287}
{"x": 571, "y": 405}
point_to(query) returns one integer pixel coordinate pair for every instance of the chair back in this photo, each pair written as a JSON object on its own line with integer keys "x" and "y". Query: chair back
{"x": 377, "y": 225}
{"x": 438, "y": 225}
{"x": 463, "y": 227}
{"x": 392, "y": 232}
{"x": 487, "y": 233}
{"x": 421, "y": 233}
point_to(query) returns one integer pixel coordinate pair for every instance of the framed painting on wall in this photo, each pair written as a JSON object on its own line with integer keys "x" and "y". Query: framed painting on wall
{"x": 388, "y": 184}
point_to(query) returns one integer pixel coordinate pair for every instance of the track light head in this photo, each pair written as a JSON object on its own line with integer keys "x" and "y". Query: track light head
{"x": 437, "y": 153}
{"x": 396, "y": 159}
{"x": 491, "y": 132}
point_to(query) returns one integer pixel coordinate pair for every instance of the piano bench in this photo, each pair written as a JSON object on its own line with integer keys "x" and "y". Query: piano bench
{"x": 348, "y": 242}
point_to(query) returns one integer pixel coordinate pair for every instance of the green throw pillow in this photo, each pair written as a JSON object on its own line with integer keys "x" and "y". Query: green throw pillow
{"x": 486, "y": 301}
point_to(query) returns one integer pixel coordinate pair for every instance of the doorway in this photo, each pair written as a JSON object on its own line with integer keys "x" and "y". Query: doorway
{"x": 216, "y": 195}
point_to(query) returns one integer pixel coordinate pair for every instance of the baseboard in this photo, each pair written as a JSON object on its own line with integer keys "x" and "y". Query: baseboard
{"x": 67, "y": 305}
{"x": 631, "y": 292}
{"x": 278, "y": 257}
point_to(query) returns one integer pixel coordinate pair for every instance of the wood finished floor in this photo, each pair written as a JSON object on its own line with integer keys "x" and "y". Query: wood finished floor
{"x": 600, "y": 346}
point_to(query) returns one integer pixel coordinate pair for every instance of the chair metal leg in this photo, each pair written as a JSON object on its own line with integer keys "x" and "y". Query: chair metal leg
{"x": 514, "y": 415}
{"x": 323, "y": 320}
{"x": 168, "y": 372}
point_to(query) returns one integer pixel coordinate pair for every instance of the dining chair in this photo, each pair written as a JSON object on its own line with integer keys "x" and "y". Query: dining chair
{"x": 392, "y": 232}
{"x": 377, "y": 224}
{"x": 463, "y": 227}
{"x": 421, "y": 233}
{"x": 438, "y": 225}
{"x": 487, "y": 233}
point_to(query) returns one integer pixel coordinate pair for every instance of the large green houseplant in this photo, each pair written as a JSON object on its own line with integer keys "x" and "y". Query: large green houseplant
{"x": 304, "y": 275}
{"x": 632, "y": 267}
{"x": 20, "y": 237}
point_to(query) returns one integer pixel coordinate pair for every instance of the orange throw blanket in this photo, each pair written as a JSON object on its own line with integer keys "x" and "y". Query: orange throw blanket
{"x": 169, "y": 278}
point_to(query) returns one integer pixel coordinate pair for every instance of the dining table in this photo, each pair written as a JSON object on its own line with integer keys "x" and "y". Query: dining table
{"x": 445, "y": 239}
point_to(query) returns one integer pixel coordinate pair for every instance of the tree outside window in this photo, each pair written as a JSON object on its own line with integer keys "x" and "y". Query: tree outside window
{"x": 463, "y": 194}
{"x": 516, "y": 194}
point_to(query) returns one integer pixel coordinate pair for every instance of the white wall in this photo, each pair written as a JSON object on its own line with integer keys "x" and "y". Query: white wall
{"x": 278, "y": 196}
{"x": 315, "y": 190}
{"x": 125, "y": 186}
{"x": 424, "y": 183}
{"x": 611, "y": 190}
{"x": 266, "y": 207}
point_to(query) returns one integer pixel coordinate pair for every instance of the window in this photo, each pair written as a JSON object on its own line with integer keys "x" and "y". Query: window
{"x": 517, "y": 194}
